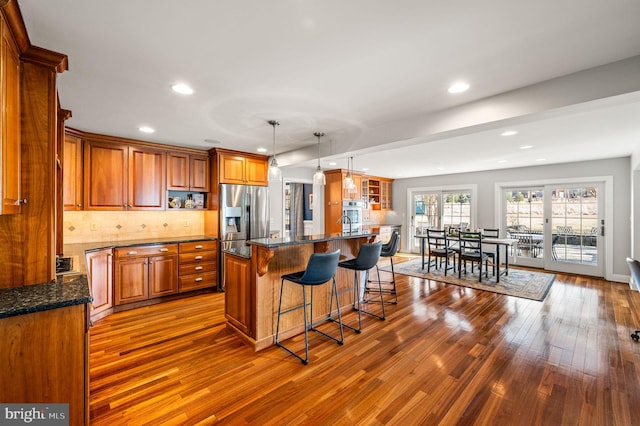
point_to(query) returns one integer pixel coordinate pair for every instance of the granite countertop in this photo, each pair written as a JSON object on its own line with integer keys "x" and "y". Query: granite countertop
{"x": 316, "y": 238}
{"x": 100, "y": 245}
{"x": 77, "y": 251}
{"x": 66, "y": 290}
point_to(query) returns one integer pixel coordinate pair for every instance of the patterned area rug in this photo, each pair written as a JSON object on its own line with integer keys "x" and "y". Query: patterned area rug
{"x": 520, "y": 283}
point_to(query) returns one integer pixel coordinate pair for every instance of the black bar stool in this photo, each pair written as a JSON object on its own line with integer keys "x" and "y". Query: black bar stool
{"x": 320, "y": 269}
{"x": 367, "y": 258}
{"x": 389, "y": 250}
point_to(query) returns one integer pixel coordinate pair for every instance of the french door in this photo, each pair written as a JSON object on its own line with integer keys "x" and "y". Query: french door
{"x": 557, "y": 227}
{"x": 436, "y": 209}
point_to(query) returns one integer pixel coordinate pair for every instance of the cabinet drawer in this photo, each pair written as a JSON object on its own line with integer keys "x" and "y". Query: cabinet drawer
{"x": 196, "y": 246}
{"x": 197, "y": 268}
{"x": 155, "y": 250}
{"x": 205, "y": 256}
{"x": 197, "y": 281}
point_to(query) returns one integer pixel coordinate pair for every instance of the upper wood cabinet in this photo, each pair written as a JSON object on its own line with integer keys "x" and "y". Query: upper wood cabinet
{"x": 72, "y": 173}
{"x": 10, "y": 191}
{"x": 187, "y": 172}
{"x": 378, "y": 192}
{"x": 240, "y": 168}
{"x": 121, "y": 177}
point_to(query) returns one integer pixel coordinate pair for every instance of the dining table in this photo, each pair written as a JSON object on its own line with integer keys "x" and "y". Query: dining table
{"x": 496, "y": 241}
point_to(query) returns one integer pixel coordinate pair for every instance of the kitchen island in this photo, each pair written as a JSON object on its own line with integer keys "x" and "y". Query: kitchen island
{"x": 252, "y": 285}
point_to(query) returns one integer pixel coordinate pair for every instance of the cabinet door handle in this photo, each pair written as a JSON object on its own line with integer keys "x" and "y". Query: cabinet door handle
{"x": 22, "y": 202}
{"x": 198, "y": 257}
{"x": 198, "y": 279}
{"x": 132, "y": 253}
{"x": 163, "y": 250}
{"x": 198, "y": 247}
{"x": 198, "y": 268}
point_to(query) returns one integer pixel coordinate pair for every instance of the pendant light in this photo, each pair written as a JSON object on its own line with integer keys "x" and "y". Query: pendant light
{"x": 347, "y": 183}
{"x": 318, "y": 177}
{"x": 352, "y": 188}
{"x": 275, "y": 174}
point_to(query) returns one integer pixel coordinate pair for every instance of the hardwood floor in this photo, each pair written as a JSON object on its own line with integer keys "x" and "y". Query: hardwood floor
{"x": 445, "y": 355}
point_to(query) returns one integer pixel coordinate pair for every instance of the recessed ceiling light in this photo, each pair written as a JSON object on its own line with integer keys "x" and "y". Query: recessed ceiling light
{"x": 365, "y": 169}
{"x": 509, "y": 133}
{"x": 333, "y": 163}
{"x": 458, "y": 87}
{"x": 146, "y": 129}
{"x": 182, "y": 89}
{"x": 262, "y": 149}
{"x": 541, "y": 159}
{"x": 526, "y": 147}
{"x": 502, "y": 161}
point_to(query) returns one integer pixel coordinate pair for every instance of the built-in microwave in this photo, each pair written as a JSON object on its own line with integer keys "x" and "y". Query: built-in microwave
{"x": 352, "y": 210}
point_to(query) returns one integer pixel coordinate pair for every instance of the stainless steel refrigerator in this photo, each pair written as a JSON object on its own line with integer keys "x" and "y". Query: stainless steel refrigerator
{"x": 244, "y": 215}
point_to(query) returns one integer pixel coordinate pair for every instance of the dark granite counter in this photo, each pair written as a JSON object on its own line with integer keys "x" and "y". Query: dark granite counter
{"x": 100, "y": 245}
{"x": 66, "y": 290}
{"x": 308, "y": 239}
{"x": 77, "y": 251}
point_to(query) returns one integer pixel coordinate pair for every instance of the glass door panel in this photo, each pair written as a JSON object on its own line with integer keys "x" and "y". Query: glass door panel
{"x": 576, "y": 245}
{"x": 524, "y": 214}
{"x": 426, "y": 214}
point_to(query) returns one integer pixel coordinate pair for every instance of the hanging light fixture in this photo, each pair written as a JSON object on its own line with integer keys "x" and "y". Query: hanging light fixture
{"x": 347, "y": 183}
{"x": 318, "y": 177}
{"x": 275, "y": 174}
{"x": 352, "y": 188}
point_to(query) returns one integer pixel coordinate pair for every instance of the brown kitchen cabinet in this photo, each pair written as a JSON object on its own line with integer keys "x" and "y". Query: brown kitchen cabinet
{"x": 100, "y": 277}
{"x": 45, "y": 359}
{"x": 240, "y": 168}
{"x": 237, "y": 292}
{"x": 122, "y": 177}
{"x": 10, "y": 189}
{"x": 186, "y": 172}
{"x": 145, "y": 272}
{"x": 72, "y": 173}
{"x": 198, "y": 265}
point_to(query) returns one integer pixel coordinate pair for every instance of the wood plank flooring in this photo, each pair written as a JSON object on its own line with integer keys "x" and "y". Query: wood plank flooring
{"x": 445, "y": 355}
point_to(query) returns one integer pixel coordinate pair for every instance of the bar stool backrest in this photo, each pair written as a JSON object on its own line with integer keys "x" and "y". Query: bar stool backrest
{"x": 368, "y": 256}
{"x": 391, "y": 247}
{"x": 634, "y": 267}
{"x": 321, "y": 268}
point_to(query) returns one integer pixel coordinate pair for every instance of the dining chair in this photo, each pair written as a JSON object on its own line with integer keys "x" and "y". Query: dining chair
{"x": 491, "y": 233}
{"x": 439, "y": 249}
{"x": 470, "y": 246}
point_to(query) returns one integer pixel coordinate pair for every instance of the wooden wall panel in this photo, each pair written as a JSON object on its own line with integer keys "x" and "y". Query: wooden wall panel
{"x": 39, "y": 121}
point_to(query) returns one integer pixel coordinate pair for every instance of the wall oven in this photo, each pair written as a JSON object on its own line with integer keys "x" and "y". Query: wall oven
{"x": 352, "y": 210}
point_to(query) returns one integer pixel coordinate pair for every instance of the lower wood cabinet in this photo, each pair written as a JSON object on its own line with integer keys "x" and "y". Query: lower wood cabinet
{"x": 44, "y": 358}
{"x": 100, "y": 277}
{"x": 145, "y": 272}
{"x": 198, "y": 265}
{"x": 237, "y": 292}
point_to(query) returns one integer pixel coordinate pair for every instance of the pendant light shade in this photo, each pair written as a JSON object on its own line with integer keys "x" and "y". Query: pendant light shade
{"x": 352, "y": 188}
{"x": 318, "y": 177}
{"x": 347, "y": 183}
{"x": 275, "y": 174}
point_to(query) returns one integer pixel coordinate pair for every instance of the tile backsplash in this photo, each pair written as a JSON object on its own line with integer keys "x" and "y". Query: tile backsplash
{"x": 96, "y": 226}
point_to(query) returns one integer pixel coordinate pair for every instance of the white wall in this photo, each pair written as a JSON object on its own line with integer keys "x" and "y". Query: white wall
{"x": 619, "y": 168}
{"x": 276, "y": 203}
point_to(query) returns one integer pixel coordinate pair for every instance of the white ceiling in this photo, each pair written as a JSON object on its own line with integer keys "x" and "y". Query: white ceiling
{"x": 371, "y": 74}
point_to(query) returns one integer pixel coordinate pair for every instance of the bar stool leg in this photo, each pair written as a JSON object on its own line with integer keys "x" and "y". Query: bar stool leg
{"x": 382, "y": 317}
